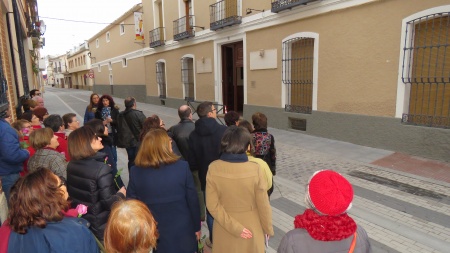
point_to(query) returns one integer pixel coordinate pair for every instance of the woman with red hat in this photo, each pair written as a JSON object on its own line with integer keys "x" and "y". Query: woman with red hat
{"x": 325, "y": 226}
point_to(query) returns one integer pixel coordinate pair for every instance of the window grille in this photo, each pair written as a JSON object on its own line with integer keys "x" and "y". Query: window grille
{"x": 297, "y": 75}
{"x": 187, "y": 77}
{"x": 161, "y": 78}
{"x": 426, "y": 68}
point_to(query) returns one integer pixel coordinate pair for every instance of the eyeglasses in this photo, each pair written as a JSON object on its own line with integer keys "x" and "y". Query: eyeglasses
{"x": 212, "y": 110}
{"x": 63, "y": 182}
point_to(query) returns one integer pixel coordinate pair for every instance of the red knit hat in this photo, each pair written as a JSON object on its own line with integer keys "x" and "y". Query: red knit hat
{"x": 329, "y": 193}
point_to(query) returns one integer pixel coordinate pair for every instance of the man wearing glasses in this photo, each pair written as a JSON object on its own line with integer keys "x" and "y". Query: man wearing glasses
{"x": 204, "y": 148}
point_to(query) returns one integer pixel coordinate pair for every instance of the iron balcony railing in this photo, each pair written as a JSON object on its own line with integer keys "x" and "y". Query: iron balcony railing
{"x": 224, "y": 13}
{"x": 280, "y": 5}
{"x": 183, "y": 28}
{"x": 157, "y": 37}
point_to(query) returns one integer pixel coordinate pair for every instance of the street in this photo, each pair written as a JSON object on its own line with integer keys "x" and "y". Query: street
{"x": 401, "y": 211}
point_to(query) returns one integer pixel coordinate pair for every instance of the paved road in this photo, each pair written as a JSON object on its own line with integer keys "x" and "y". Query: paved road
{"x": 401, "y": 212}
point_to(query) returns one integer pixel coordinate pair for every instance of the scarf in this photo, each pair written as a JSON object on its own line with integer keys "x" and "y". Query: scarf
{"x": 325, "y": 227}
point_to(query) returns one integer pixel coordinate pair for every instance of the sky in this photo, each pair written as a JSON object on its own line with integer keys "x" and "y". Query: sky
{"x": 60, "y": 36}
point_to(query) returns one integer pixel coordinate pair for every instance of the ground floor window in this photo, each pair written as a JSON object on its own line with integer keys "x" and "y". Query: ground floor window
{"x": 426, "y": 70}
{"x": 161, "y": 78}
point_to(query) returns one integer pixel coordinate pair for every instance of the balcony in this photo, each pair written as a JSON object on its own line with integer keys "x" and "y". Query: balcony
{"x": 157, "y": 37}
{"x": 183, "y": 29}
{"x": 224, "y": 13}
{"x": 281, "y": 5}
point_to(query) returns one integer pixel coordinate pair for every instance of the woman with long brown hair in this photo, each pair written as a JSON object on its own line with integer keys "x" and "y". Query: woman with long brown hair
{"x": 37, "y": 220}
{"x": 89, "y": 113}
{"x": 165, "y": 184}
{"x": 108, "y": 111}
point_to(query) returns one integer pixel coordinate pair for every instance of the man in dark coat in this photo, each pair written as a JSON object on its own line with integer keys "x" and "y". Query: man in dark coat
{"x": 180, "y": 134}
{"x": 204, "y": 146}
{"x": 130, "y": 131}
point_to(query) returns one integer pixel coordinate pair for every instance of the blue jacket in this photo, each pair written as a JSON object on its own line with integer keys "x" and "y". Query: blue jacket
{"x": 88, "y": 115}
{"x": 11, "y": 155}
{"x": 169, "y": 192}
{"x": 68, "y": 235}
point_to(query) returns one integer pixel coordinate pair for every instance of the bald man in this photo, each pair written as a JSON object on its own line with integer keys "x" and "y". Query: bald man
{"x": 180, "y": 134}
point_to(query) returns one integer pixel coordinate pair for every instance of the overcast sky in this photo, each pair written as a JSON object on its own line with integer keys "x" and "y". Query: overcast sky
{"x": 60, "y": 36}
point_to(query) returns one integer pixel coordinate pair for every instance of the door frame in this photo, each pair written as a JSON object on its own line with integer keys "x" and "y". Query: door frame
{"x": 218, "y": 96}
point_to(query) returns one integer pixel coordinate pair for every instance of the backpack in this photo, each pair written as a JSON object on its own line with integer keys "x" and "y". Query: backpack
{"x": 125, "y": 137}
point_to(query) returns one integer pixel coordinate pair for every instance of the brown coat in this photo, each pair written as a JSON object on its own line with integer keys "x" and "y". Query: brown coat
{"x": 236, "y": 196}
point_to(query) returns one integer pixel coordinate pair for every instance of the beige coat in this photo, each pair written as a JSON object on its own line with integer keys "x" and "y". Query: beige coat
{"x": 236, "y": 196}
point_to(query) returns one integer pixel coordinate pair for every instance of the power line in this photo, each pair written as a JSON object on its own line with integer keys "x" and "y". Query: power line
{"x": 82, "y": 21}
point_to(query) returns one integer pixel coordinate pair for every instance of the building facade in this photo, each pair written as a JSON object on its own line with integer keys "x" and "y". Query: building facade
{"x": 20, "y": 41}
{"x": 78, "y": 68}
{"x": 370, "y": 72}
{"x": 117, "y": 58}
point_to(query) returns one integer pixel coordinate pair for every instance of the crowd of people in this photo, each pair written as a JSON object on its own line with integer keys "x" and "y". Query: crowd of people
{"x": 64, "y": 189}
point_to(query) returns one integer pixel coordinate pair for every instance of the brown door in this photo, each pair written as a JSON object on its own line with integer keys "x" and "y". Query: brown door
{"x": 233, "y": 76}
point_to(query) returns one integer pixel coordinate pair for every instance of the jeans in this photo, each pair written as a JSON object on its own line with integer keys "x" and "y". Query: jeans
{"x": 113, "y": 148}
{"x": 209, "y": 221}
{"x": 7, "y": 182}
{"x": 131, "y": 152}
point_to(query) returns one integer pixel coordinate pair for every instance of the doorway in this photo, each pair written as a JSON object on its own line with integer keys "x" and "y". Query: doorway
{"x": 233, "y": 76}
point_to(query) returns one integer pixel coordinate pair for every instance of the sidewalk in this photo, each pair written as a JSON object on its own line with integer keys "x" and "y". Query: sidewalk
{"x": 402, "y": 201}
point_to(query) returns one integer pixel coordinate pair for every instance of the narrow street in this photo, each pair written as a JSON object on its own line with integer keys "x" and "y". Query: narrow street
{"x": 402, "y": 210}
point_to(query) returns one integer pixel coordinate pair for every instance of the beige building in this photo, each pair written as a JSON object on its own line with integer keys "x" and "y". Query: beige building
{"x": 117, "y": 58}
{"x": 370, "y": 72}
{"x": 78, "y": 67}
{"x": 57, "y": 71}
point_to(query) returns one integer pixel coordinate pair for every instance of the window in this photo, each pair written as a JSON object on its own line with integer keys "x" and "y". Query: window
{"x": 97, "y": 43}
{"x": 124, "y": 62}
{"x": 161, "y": 78}
{"x": 187, "y": 78}
{"x": 122, "y": 28}
{"x": 108, "y": 39}
{"x": 426, "y": 71}
{"x": 298, "y": 73}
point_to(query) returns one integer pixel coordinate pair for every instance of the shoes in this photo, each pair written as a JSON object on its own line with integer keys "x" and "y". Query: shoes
{"x": 208, "y": 243}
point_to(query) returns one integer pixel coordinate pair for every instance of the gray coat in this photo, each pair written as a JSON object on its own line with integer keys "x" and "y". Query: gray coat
{"x": 50, "y": 159}
{"x": 299, "y": 241}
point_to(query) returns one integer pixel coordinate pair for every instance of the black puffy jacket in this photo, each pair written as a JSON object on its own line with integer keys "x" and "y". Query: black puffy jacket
{"x": 90, "y": 182}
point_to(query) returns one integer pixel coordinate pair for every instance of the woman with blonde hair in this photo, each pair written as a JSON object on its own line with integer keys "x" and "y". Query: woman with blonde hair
{"x": 131, "y": 228}
{"x": 165, "y": 184}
